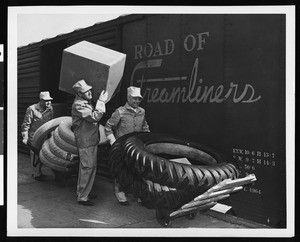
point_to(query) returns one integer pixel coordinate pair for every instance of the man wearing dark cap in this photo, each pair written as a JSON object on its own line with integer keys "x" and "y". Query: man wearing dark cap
{"x": 85, "y": 124}
{"x": 36, "y": 115}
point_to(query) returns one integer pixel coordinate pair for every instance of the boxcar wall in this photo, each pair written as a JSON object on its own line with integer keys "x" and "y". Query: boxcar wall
{"x": 218, "y": 80}
{"x": 213, "y": 79}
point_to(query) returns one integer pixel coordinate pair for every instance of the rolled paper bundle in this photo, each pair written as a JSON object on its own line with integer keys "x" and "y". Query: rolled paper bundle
{"x": 181, "y": 212}
{"x": 218, "y": 193}
{"x": 202, "y": 202}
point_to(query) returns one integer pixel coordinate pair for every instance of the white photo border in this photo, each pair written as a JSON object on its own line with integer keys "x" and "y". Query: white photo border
{"x": 12, "y": 228}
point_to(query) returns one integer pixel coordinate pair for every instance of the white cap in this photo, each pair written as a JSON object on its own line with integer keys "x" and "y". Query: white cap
{"x": 45, "y": 96}
{"x": 134, "y": 92}
{"x": 81, "y": 86}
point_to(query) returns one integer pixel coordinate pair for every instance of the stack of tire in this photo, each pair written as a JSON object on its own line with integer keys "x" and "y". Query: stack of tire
{"x": 142, "y": 164}
{"x": 59, "y": 152}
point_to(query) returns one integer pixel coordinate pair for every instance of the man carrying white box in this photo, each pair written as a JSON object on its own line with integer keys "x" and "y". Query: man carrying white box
{"x": 85, "y": 124}
{"x": 102, "y": 69}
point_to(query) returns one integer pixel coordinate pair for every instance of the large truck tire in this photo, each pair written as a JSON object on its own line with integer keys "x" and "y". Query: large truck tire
{"x": 144, "y": 155}
{"x": 152, "y": 195}
{"x": 149, "y": 180}
{"x": 65, "y": 131}
{"x": 57, "y": 151}
{"x": 49, "y": 160}
{"x": 49, "y": 164}
{"x": 63, "y": 144}
{"x": 115, "y": 157}
{"x": 57, "y": 161}
{"x": 42, "y": 132}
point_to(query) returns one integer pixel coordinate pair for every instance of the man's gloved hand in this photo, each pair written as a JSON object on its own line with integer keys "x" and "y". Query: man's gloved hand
{"x": 111, "y": 138}
{"x": 25, "y": 137}
{"x": 103, "y": 96}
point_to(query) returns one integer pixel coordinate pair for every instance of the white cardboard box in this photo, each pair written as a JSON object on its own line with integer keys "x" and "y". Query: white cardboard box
{"x": 100, "y": 67}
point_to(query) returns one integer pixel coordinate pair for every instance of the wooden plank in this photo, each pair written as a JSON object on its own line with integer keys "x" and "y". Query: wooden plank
{"x": 35, "y": 69}
{"x": 27, "y": 60}
{"x": 28, "y": 49}
{"x": 28, "y": 54}
{"x": 28, "y": 75}
{"x": 28, "y": 65}
{"x": 28, "y": 82}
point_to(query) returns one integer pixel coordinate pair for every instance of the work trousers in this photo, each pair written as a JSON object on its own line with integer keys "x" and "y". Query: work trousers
{"x": 87, "y": 172}
{"x": 36, "y": 170}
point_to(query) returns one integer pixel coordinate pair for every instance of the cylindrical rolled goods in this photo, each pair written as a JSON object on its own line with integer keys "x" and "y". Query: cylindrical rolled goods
{"x": 218, "y": 193}
{"x": 41, "y": 133}
{"x": 46, "y": 161}
{"x": 52, "y": 157}
{"x": 182, "y": 212}
{"x": 204, "y": 201}
{"x": 63, "y": 144}
{"x": 65, "y": 131}
{"x": 241, "y": 181}
{"x": 56, "y": 150}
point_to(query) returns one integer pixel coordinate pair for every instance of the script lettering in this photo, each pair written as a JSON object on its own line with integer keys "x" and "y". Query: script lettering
{"x": 196, "y": 92}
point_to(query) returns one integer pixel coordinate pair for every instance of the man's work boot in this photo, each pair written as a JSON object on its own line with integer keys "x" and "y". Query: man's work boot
{"x": 121, "y": 198}
{"x": 86, "y": 203}
{"x": 40, "y": 177}
{"x": 139, "y": 201}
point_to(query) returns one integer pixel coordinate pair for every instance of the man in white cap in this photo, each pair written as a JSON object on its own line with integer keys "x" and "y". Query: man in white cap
{"x": 126, "y": 119}
{"x": 35, "y": 116}
{"x": 85, "y": 124}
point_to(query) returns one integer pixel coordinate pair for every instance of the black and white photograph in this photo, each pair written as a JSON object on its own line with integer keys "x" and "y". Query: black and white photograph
{"x": 151, "y": 121}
